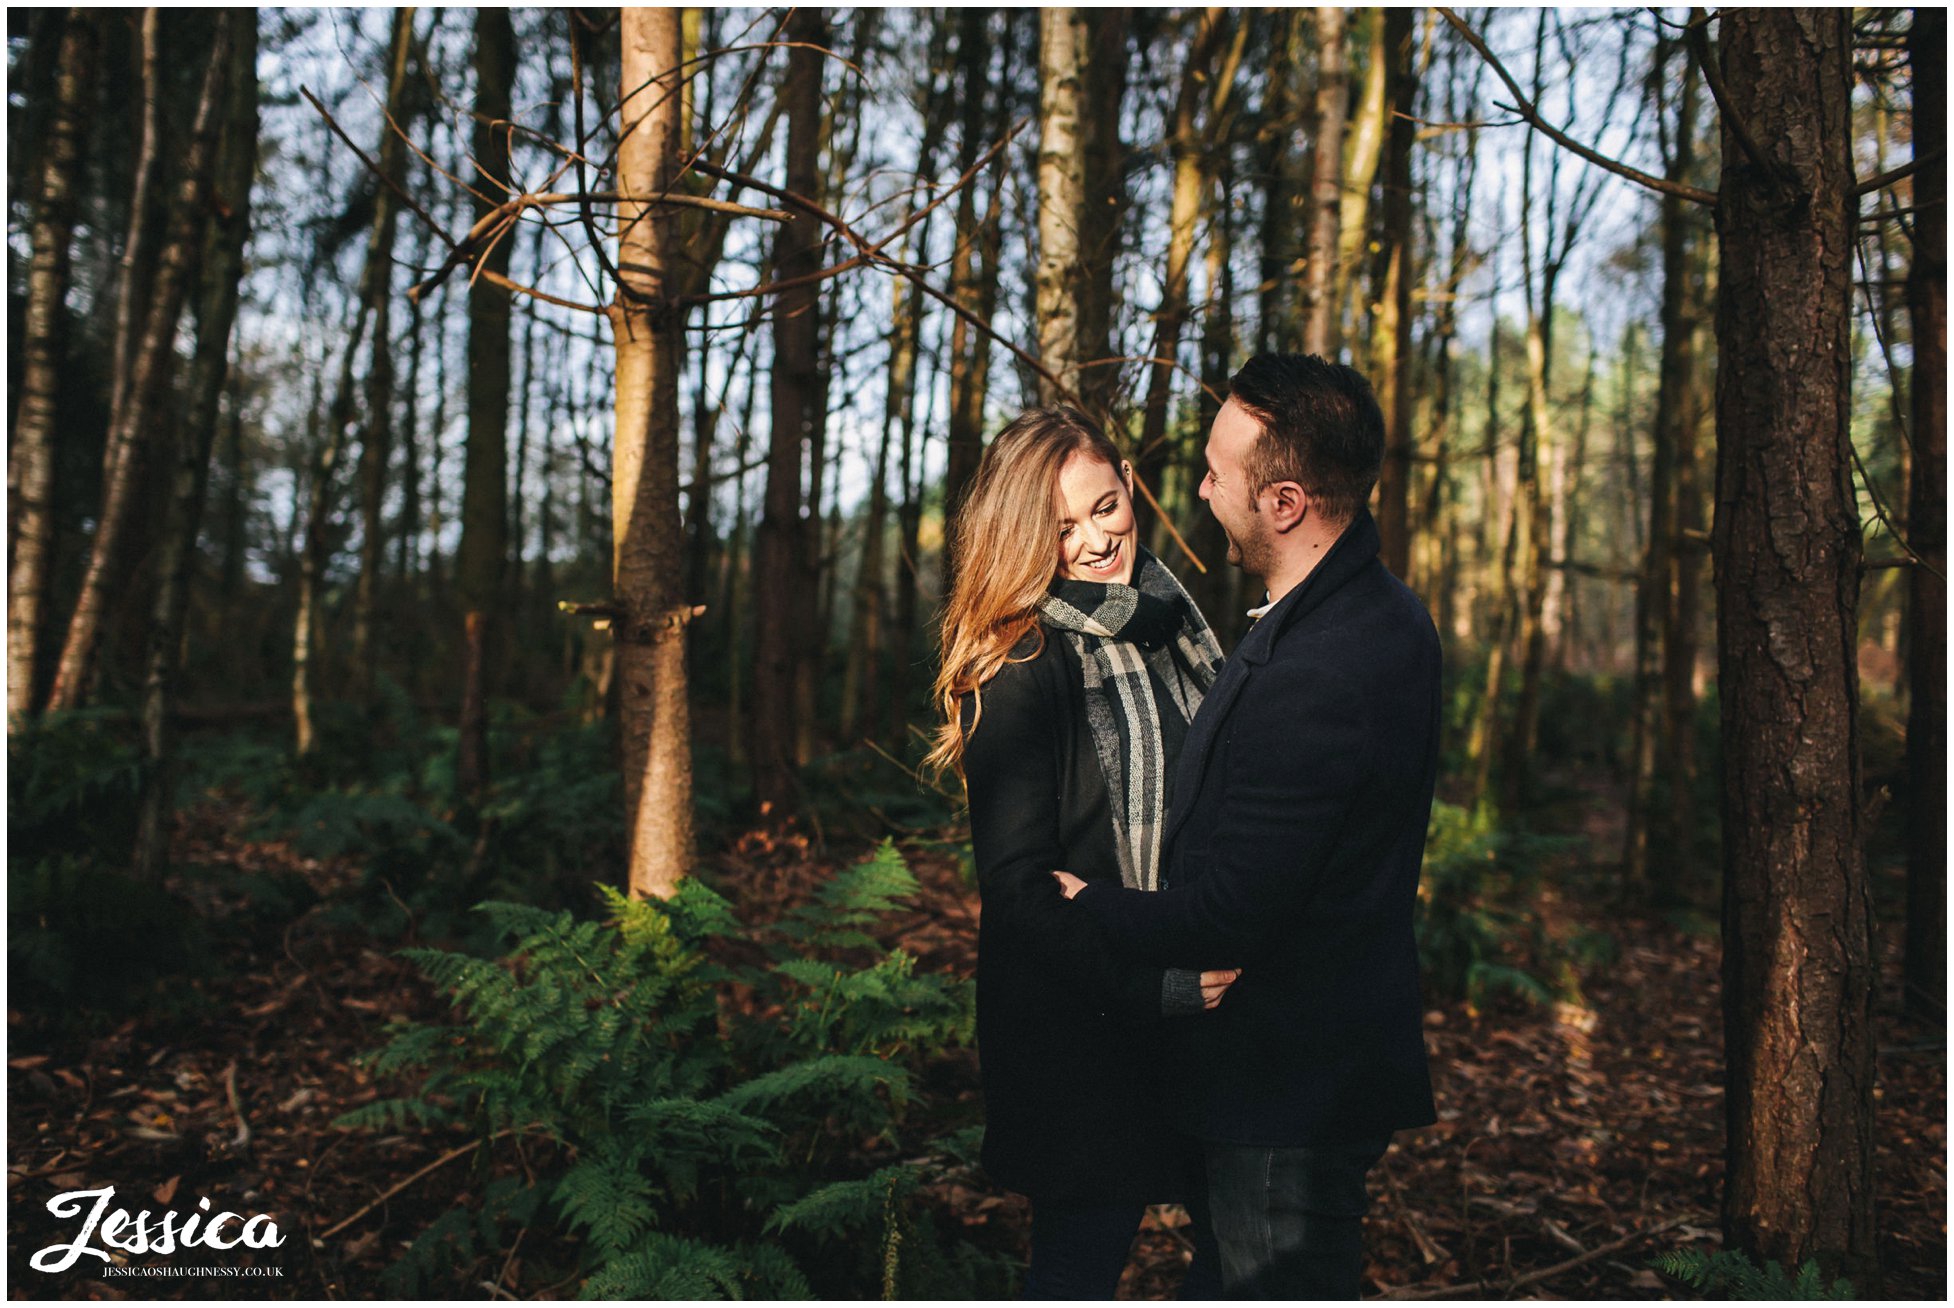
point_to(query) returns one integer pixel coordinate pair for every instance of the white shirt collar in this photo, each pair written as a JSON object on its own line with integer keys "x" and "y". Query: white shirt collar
{"x": 1265, "y": 606}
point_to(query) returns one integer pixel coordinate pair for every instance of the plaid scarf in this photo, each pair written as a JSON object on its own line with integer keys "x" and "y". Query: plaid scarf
{"x": 1118, "y": 633}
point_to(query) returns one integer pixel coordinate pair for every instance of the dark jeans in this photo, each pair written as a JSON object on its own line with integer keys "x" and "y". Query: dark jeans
{"x": 1288, "y": 1221}
{"x": 1079, "y": 1253}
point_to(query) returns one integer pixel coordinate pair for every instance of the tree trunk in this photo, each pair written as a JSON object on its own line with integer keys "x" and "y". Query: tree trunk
{"x": 1104, "y": 209}
{"x": 784, "y": 539}
{"x": 1191, "y": 181}
{"x": 31, "y": 458}
{"x": 648, "y": 547}
{"x": 1926, "y": 939}
{"x": 223, "y": 271}
{"x": 482, "y": 562}
{"x": 1285, "y": 198}
{"x": 1391, "y": 331}
{"x": 973, "y": 272}
{"x": 375, "y": 442}
{"x": 1654, "y": 607}
{"x": 1798, "y": 971}
{"x": 1064, "y": 48}
{"x": 135, "y": 418}
{"x": 1319, "y": 313}
{"x": 1363, "y": 149}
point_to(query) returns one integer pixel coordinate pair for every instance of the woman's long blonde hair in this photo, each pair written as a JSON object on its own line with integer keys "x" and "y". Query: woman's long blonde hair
{"x": 1005, "y": 547}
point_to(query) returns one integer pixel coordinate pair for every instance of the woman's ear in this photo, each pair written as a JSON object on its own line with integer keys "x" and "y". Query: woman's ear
{"x": 1126, "y": 475}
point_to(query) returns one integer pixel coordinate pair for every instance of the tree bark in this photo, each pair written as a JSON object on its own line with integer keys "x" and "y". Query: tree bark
{"x": 482, "y": 562}
{"x": 1391, "y": 331}
{"x": 1654, "y": 602}
{"x": 1104, "y": 211}
{"x": 31, "y": 458}
{"x": 648, "y": 546}
{"x": 973, "y": 270}
{"x": 1926, "y": 938}
{"x": 1798, "y": 969}
{"x": 376, "y": 438}
{"x": 136, "y": 416}
{"x": 1363, "y": 150}
{"x": 223, "y": 271}
{"x": 1064, "y": 49}
{"x": 1320, "y": 310}
{"x": 784, "y": 539}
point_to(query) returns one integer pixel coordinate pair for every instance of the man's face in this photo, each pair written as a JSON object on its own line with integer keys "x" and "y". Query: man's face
{"x": 1227, "y": 491}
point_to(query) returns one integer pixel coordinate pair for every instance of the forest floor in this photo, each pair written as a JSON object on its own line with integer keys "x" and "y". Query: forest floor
{"x": 1575, "y": 1142}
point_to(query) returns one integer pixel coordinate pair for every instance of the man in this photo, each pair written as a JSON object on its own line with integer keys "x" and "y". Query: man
{"x": 1294, "y": 837}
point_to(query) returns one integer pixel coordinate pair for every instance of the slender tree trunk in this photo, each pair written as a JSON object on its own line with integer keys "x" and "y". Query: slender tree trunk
{"x": 1319, "y": 312}
{"x": 1064, "y": 49}
{"x": 134, "y": 419}
{"x": 973, "y": 271}
{"x": 784, "y": 538}
{"x": 223, "y": 270}
{"x": 1654, "y": 610}
{"x": 376, "y": 439}
{"x": 1926, "y": 938}
{"x": 1363, "y": 150}
{"x": 1391, "y": 331}
{"x": 482, "y": 563}
{"x": 30, "y": 465}
{"x": 1285, "y": 195}
{"x": 1798, "y": 968}
{"x": 134, "y": 269}
{"x": 1104, "y": 210}
{"x": 647, "y": 554}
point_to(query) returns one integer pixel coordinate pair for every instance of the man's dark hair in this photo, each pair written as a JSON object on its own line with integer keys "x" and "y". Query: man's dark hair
{"x": 1321, "y": 428}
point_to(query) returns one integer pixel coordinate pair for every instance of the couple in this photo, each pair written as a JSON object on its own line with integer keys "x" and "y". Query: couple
{"x": 1196, "y": 976}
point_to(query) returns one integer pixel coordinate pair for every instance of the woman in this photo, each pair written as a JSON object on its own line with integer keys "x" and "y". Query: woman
{"x": 1072, "y": 663}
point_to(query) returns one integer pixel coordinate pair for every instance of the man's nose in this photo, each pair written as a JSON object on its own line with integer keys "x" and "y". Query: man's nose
{"x": 1206, "y": 486}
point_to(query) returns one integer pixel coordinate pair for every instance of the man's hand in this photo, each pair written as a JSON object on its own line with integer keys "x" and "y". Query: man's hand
{"x": 1071, "y": 885}
{"x": 1215, "y": 984}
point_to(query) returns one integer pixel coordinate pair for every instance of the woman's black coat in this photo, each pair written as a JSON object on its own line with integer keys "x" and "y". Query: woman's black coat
{"x": 1068, "y": 1035}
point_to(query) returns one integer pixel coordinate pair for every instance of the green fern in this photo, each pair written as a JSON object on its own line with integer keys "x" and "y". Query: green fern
{"x": 1730, "y": 1274}
{"x": 710, "y": 1153}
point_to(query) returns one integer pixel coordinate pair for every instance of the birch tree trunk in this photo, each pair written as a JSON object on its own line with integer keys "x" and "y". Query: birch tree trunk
{"x": 30, "y": 464}
{"x": 1319, "y": 312}
{"x": 1063, "y": 49}
{"x": 135, "y": 418}
{"x": 648, "y": 546}
{"x": 1798, "y": 965}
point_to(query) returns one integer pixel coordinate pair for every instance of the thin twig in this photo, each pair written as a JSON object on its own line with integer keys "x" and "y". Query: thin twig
{"x": 400, "y": 1185}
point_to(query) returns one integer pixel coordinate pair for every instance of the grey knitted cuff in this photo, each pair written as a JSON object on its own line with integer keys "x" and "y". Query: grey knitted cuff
{"x": 1180, "y": 993}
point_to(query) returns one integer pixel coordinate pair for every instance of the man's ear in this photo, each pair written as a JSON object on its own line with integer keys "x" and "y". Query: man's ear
{"x": 1288, "y": 505}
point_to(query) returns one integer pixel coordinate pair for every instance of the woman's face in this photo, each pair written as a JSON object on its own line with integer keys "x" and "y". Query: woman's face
{"x": 1096, "y": 536}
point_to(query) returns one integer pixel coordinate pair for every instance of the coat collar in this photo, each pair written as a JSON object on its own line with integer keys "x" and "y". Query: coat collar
{"x": 1357, "y": 546}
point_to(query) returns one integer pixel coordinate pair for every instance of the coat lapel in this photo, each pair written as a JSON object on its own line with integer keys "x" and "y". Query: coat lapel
{"x": 1357, "y": 547}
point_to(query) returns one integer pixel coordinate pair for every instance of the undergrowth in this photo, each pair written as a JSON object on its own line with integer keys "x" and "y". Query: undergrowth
{"x": 725, "y": 1130}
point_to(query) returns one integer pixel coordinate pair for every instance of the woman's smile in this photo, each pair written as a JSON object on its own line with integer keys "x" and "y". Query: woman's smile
{"x": 1107, "y": 563}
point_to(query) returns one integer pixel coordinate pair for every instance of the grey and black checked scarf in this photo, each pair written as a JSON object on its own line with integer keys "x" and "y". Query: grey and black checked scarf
{"x": 1118, "y": 633}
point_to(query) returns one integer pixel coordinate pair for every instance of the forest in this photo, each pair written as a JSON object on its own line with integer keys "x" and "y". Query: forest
{"x": 479, "y": 502}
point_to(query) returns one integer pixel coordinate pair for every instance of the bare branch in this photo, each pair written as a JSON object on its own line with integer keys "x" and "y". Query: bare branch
{"x": 1526, "y": 110}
